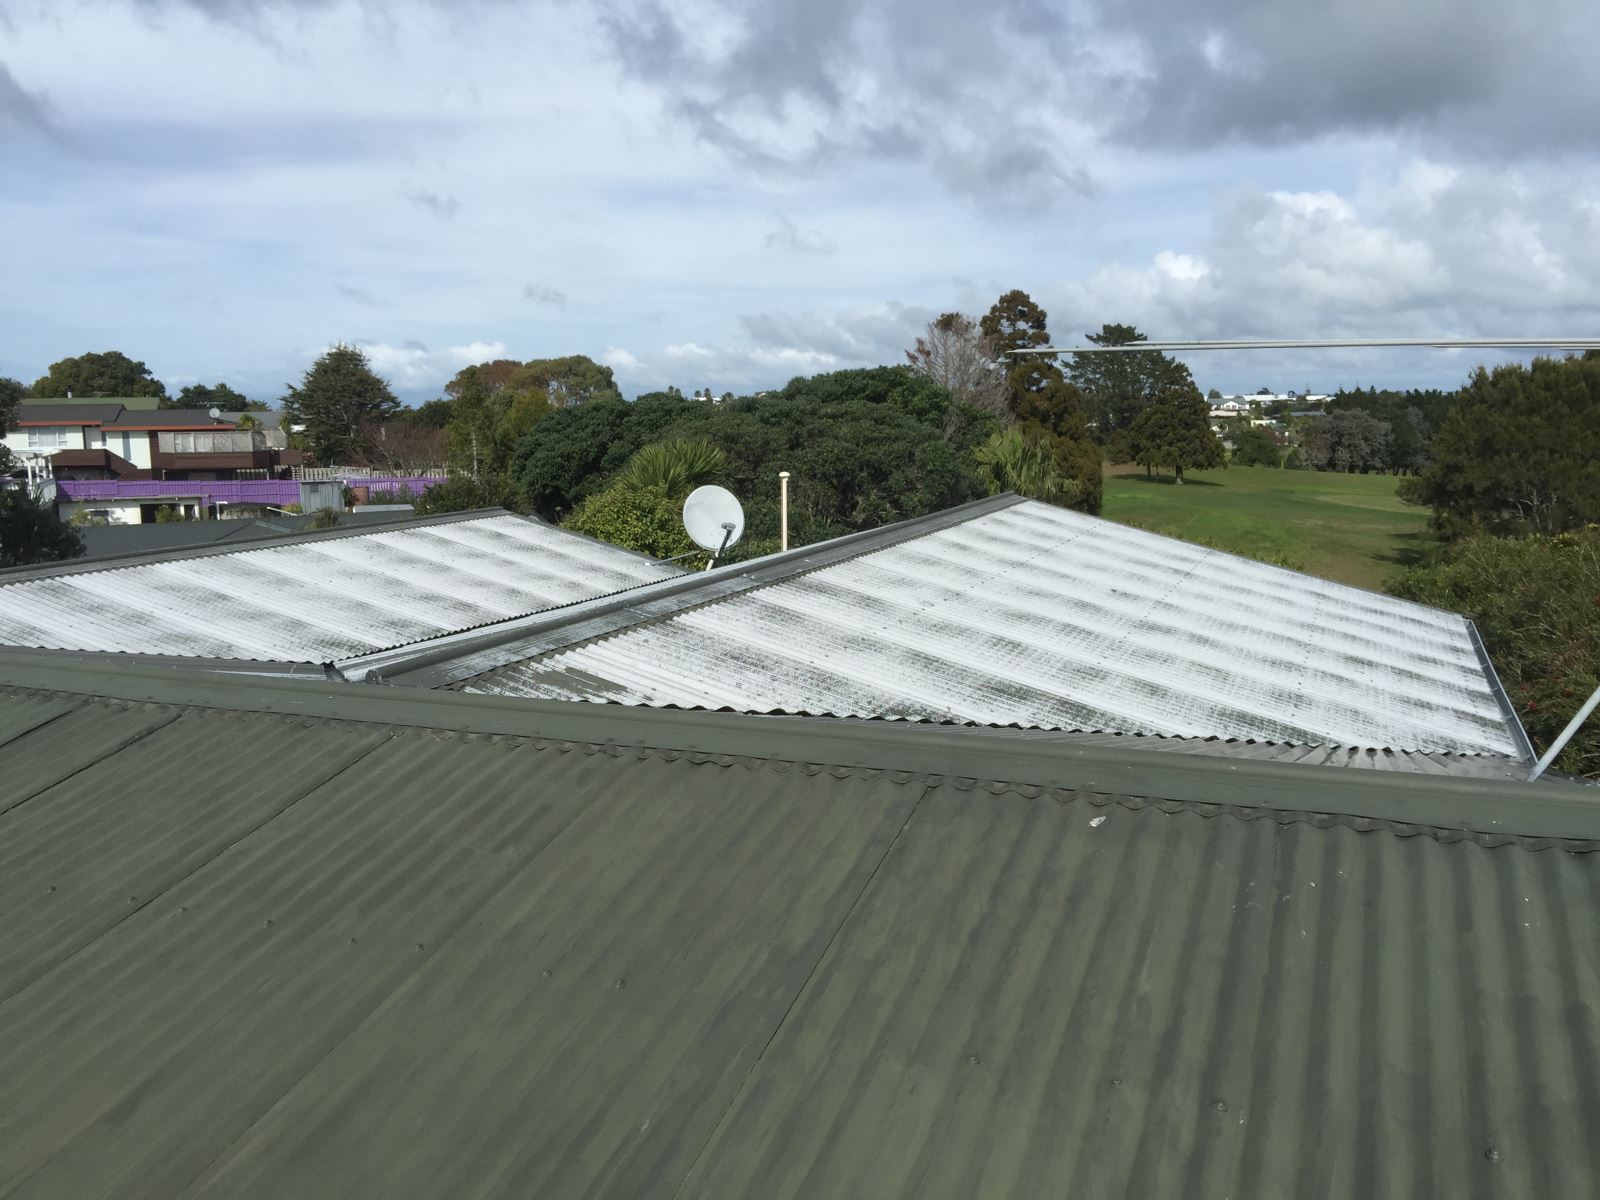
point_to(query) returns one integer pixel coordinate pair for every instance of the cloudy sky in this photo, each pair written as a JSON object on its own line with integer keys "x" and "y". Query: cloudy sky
{"x": 708, "y": 192}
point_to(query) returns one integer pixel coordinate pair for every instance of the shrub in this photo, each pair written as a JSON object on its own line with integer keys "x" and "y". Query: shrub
{"x": 1536, "y": 602}
{"x": 462, "y": 492}
{"x": 646, "y": 519}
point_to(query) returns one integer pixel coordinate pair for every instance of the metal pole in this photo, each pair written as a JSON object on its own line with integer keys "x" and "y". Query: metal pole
{"x": 1566, "y": 735}
{"x": 783, "y": 510}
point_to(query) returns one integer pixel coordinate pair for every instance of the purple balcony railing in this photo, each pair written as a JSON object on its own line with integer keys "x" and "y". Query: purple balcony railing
{"x": 279, "y": 493}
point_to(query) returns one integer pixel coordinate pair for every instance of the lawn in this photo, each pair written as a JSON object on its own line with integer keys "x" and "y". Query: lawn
{"x": 1352, "y": 528}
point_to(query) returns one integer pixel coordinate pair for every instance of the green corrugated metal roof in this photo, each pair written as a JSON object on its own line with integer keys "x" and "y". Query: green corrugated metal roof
{"x": 276, "y": 937}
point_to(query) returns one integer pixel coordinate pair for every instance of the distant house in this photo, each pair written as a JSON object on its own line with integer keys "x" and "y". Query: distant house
{"x": 107, "y": 442}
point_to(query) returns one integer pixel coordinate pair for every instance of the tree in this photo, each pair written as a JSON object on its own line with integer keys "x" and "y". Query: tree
{"x": 1118, "y": 386}
{"x": 1013, "y": 462}
{"x": 1349, "y": 440}
{"x": 219, "y": 395}
{"x": 1040, "y": 398}
{"x": 1518, "y": 452}
{"x": 1175, "y": 431}
{"x": 574, "y": 379}
{"x": 1254, "y": 446}
{"x": 1533, "y": 601}
{"x": 30, "y": 531}
{"x": 647, "y": 519}
{"x": 432, "y": 414}
{"x": 11, "y": 393}
{"x": 461, "y": 493}
{"x": 108, "y": 373}
{"x": 954, "y": 354}
{"x": 336, "y": 398}
{"x": 676, "y": 467}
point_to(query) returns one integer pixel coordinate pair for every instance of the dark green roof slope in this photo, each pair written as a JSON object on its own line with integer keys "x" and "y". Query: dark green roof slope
{"x": 283, "y": 938}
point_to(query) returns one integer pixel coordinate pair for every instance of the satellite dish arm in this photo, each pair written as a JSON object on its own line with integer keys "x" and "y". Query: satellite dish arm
{"x": 727, "y": 532}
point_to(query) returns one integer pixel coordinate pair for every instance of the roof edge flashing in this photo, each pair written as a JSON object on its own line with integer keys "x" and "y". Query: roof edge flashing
{"x": 1557, "y": 810}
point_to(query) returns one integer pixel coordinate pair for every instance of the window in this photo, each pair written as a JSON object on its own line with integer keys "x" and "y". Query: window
{"x": 49, "y": 438}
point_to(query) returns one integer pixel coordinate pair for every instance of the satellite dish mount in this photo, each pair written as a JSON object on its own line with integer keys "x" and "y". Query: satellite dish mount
{"x": 713, "y": 519}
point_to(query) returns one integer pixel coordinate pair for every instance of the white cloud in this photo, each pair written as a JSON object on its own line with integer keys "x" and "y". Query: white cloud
{"x": 620, "y": 360}
{"x": 412, "y": 366}
{"x": 687, "y": 350}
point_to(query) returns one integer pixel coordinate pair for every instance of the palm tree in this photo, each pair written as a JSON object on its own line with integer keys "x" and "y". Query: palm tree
{"x": 677, "y": 467}
{"x": 1011, "y": 461}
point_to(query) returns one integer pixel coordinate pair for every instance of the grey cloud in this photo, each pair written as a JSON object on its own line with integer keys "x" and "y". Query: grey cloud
{"x": 1479, "y": 75}
{"x": 851, "y": 339}
{"x": 982, "y": 93}
{"x": 786, "y": 235}
{"x": 357, "y": 296}
{"x": 542, "y": 294}
{"x": 445, "y": 206}
{"x": 20, "y": 109}
{"x": 806, "y": 84}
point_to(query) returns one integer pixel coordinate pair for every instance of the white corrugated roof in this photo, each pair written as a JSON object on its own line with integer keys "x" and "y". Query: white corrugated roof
{"x": 1039, "y": 617}
{"x": 321, "y": 598}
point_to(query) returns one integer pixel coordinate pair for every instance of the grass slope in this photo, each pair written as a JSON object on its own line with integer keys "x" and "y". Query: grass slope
{"x": 1352, "y": 528}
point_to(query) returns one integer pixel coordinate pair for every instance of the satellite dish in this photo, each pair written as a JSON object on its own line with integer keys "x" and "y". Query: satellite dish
{"x": 214, "y": 413}
{"x": 713, "y": 518}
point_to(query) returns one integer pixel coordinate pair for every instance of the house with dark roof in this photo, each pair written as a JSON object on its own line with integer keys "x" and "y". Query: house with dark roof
{"x": 118, "y": 464}
{"x": 968, "y": 856}
{"x": 269, "y": 936}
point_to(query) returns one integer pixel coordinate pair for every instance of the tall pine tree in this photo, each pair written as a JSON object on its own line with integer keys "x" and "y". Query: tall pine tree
{"x": 338, "y": 398}
{"x": 1045, "y": 405}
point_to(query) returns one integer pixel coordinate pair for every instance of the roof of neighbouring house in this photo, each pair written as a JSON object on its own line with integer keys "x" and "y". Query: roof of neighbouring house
{"x": 169, "y": 418}
{"x": 316, "y": 596}
{"x": 138, "y": 403}
{"x": 68, "y": 412}
{"x": 270, "y": 937}
{"x": 1012, "y": 613}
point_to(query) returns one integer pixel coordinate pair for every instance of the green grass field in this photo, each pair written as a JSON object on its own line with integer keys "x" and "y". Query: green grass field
{"x": 1352, "y": 528}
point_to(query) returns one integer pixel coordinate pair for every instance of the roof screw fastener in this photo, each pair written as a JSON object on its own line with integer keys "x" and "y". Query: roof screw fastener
{"x": 419, "y": 946}
{"x": 545, "y": 974}
{"x": 1220, "y": 1105}
{"x": 1116, "y": 1081}
{"x": 621, "y": 983}
{"x": 352, "y": 941}
{"x": 973, "y": 1060}
{"x": 133, "y": 899}
{"x": 267, "y": 924}
{"x": 51, "y": 888}
{"x": 1492, "y": 1154}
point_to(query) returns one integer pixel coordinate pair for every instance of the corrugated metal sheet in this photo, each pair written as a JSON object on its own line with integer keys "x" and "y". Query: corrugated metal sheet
{"x": 1043, "y": 618}
{"x": 428, "y": 964}
{"x": 321, "y": 598}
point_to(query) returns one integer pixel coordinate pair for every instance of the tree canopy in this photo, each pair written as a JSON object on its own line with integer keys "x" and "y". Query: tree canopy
{"x": 1348, "y": 440}
{"x": 11, "y": 393}
{"x": 339, "y": 397}
{"x": 29, "y": 529}
{"x": 106, "y": 373}
{"x": 1254, "y": 446}
{"x": 1534, "y": 601}
{"x": 1519, "y": 452}
{"x": 217, "y": 395}
{"x": 1049, "y": 409}
{"x": 954, "y": 354}
{"x": 1117, "y": 387}
{"x": 864, "y": 447}
{"x": 1174, "y": 430}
